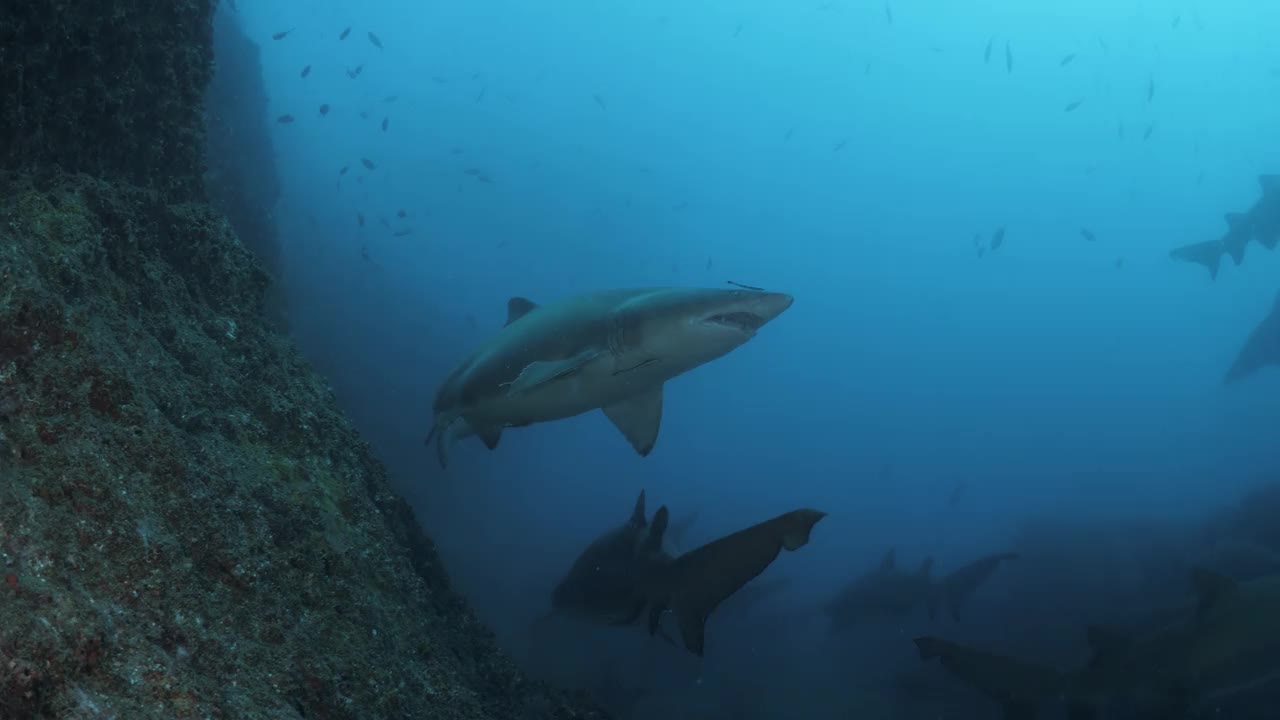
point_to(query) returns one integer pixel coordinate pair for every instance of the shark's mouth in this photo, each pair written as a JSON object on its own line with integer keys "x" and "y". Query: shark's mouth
{"x": 743, "y": 321}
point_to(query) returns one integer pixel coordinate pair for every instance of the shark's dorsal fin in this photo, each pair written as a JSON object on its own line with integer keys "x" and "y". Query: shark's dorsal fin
{"x": 653, "y": 541}
{"x": 638, "y": 418}
{"x": 1210, "y": 587}
{"x": 889, "y": 561}
{"x": 518, "y": 307}
{"x": 637, "y": 513}
{"x": 1105, "y": 642}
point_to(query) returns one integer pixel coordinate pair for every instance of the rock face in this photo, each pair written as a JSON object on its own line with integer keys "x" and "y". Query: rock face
{"x": 188, "y": 526}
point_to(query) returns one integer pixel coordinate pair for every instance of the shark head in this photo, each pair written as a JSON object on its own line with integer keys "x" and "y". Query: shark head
{"x": 691, "y": 326}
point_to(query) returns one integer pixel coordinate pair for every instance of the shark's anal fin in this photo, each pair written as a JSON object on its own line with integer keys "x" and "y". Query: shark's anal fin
{"x": 518, "y": 307}
{"x": 653, "y": 541}
{"x": 542, "y": 372}
{"x": 490, "y": 434}
{"x": 638, "y": 419}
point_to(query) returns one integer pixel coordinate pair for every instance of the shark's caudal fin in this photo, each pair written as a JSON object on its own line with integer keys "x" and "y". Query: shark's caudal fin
{"x": 698, "y": 581}
{"x": 637, "y": 512}
{"x": 1260, "y": 350}
{"x": 1208, "y": 254}
{"x": 638, "y": 418}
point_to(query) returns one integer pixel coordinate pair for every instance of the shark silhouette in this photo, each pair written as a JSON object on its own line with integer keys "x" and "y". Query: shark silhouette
{"x": 611, "y": 350}
{"x": 627, "y": 570}
{"x": 1260, "y": 223}
{"x": 1260, "y": 350}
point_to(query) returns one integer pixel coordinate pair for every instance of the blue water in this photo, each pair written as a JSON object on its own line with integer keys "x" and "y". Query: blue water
{"x": 821, "y": 150}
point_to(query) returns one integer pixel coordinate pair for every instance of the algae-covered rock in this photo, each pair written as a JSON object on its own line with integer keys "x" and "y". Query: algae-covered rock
{"x": 188, "y": 526}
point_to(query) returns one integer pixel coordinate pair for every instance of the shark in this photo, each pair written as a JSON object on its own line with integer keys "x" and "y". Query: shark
{"x": 956, "y": 587}
{"x": 627, "y": 571}
{"x": 1260, "y": 223}
{"x": 611, "y": 350}
{"x": 885, "y": 591}
{"x": 1225, "y": 642}
{"x": 1261, "y": 349}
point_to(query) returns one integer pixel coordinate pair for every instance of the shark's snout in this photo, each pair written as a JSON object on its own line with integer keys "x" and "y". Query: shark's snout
{"x": 753, "y": 313}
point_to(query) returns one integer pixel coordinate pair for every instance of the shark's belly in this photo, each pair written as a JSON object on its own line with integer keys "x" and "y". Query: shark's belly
{"x": 595, "y": 386}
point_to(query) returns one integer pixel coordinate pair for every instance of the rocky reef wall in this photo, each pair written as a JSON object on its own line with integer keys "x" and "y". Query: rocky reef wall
{"x": 189, "y": 528}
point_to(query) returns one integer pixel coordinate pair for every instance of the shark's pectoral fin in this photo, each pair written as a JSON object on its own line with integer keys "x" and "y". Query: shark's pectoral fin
{"x": 542, "y": 372}
{"x": 638, "y": 418}
{"x": 446, "y": 432}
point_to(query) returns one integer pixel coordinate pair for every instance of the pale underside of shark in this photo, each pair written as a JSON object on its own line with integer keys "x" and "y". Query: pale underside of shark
{"x": 612, "y": 350}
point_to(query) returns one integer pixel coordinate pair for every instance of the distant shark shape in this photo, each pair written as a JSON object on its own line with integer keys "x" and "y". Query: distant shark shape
{"x": 883, "y": 592}
{"x": 626, "y": 571}
{"x": 1260, "y": 223}
{"x": 954, "y": 589}
{"x": 1227, "y": 640}
{"x": 889, "y": 592}
{"x": 1260, "y": 350}
{"x": 611, "y": 349}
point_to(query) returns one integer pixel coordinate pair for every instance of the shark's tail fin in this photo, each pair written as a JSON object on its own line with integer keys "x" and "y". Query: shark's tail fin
{"x": 1208, "y": 254}
{"x": 698, "y": 581}
{"x": 1020, "y": 687}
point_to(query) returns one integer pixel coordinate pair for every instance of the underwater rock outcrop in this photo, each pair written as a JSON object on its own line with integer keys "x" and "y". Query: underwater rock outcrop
{"x": 189, "y": 528}
{"x": 241, "y": 178}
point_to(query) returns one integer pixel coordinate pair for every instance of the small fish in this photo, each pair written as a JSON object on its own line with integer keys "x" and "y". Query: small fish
{"x": 599, "y": 101}
{"x": 1120, "y": 129}
{"x": 1119, "y": 263}
{"x": 1177, "y": 20}
{"x": 306, "y": 71}
{"x": 283, "y": 34}
{"x": 1151, "y": 88}
{"x": 1103, "y": 44}
{"x": 888, "y": 13}
{"x": 284, "y": 119}
{"x": 364, "y": 114}
{"x": 480, "y": 95}
{"x": 353, "y": 74}
{"x": 1150, "y": 129}
{"x": 738, "y": 30}
{"x": 439, "y": 80}
{"x": 472, "y": 171}
{"x": 345, "y": 33}
{"x": 1067, "y": 60}
{"x": 745, "y": 287}
{"x": 376, "y": 42}
{"x": 680, "y": 206}
{"x": 790, "y": 132}
{"x": 981, "y": 251}
{"x": 839, "y": 146}
{"x": 1200, "y": 178}
{"x": 708, "y": 262}
{"x": 385, "y": 121}
{"x": 344, "y": 170}
{"x": 402, "y": 233}
{"x": 385, "y": 223}
{"x": 368, "y": 163}
{"x": 1008, "y": 57}
{"x": 390, "y": 98}
{"x": 1072, "y": 105}
{"x": 360, "y": 219}
{"x": 364, "y": 253}
{"x": 401, "y": 214}
{"x": 977, "y": 240}
{"x": 986, "y": 54}
{"x": 324, "y": 109}
{"x": 997, "y": 238}
{"x": 1087, "y": 234}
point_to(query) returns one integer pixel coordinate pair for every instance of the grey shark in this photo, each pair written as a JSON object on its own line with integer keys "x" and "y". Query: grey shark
{"x": 629, "y": 570}
{"x": 1228, "y": 640}
{"x": 612, "y": 350}
{"x": 954, "y": 589}
{"x": 1260, "y": 223}
{"x": 884, "y": 592}
{"x": 1260, "y": 350}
